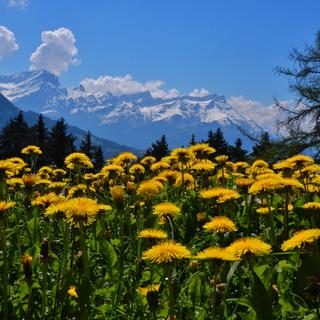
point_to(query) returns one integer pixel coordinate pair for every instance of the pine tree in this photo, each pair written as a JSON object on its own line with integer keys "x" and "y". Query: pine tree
{"x": 60, "y": 143}
{"x": 158, "y": 149}
{"x": 303, "y": 123}
{"x": 98, "y": 158}
{"x": 262, "y": 149}
{"x": 193, "y": 140}
{"x": 14, "y": 136}
{"x": 86, "y": 145}
{"x": 236, "y": 153}
{"x": 216, "y": 140}
{"x": 39, "y": 134}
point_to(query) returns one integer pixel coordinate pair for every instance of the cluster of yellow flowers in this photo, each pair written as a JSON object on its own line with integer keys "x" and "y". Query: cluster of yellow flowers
{"x": 217, "y": 184}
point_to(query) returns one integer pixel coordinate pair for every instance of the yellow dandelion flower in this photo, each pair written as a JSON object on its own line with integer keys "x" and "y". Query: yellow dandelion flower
{"x": 215, "y": 253}
{"x": 170, "y": 175}
{"x": 301, "y": 160}
{"x": 6, "y": 205}
{"x": 264, "y": 210}
{"x": 313, "y": 168}
{"x": 117, "y": 195}
{"x": 201, "y": 216}
{"x": 182, "y": 154}
{"x": 152, "y": 234}
{"x": 240, "y": 165}
{"x": 244, "y": 182}
{"x": 15, "y": 182}
{"x": 82, "y": 211}
{"x": 283, "y": 165}
{"x": 58, "y": 207}
{"x": 301, "y": 238}
{"x": 78, "y": 160}
{"x": 258, "y": 164}
{"x": 33, "y": 150}
{"x": 137, "y": 169}
{"x": 160, "y": 165}
{"x": 113, "y": 169}
{"x": 148, "y": 161}
{"x": 126, "y": 157}
{"x": 291, "y": 183}
{"x": 202, "y": 150}
{"x": 149, "y": 188}
{"x": 219, "y": 194}
{"x": 45, "y": 169}
{"x": 59, "y": 173}
{"x": 166, "y": 252}
{"x": 187, "y": 179}
{"x": 72, "y": 292}
{"x": 43, "y": 181}
{"x": 312, "y": 206}
{"x": 220, "y": 224}
{"x": 151, "y": 288}
{"x": 251, "y": 245}
{"x": 222, "y": 159}
{"x": 172, "y": 160}
{"x": 30, "y": 179}
{"x": 266, "y": 185}
{"x": 166, "y": 209}
{"x": 203, "y": 166}
{"x": 46, "y": 200}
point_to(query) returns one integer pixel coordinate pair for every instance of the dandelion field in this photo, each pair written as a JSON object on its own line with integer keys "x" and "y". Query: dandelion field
{"x": 192, "y": 236}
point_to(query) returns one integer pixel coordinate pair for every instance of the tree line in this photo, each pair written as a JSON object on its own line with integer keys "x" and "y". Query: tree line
{"x": 55, "y": 143}
{"x": 216, "y": 140}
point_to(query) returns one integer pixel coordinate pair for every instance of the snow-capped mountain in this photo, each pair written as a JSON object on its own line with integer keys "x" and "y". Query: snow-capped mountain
{"x": 133, "y": 119}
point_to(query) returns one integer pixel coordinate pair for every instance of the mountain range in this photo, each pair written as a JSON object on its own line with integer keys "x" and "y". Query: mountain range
{"x": 137, "y": 119}
{"x": 8, "y": 111}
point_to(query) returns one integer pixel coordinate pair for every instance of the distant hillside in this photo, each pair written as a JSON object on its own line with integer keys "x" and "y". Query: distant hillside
{"x": 110, "y": 148}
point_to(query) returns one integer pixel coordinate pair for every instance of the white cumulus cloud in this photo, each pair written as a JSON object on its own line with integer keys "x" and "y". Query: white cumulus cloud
{"x": 56, "y": 52}
{"x": 7, "y": 42}
{"x": 199, "y": 93}
{"x": 126, "y": 85}
{"x": 22, "y": 4}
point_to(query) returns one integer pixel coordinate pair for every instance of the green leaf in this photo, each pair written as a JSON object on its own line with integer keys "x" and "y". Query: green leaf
{"x": 261, "y": 300}
{"x": 109, "y": 255}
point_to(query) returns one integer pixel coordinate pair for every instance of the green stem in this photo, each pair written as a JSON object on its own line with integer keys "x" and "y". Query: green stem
{"x": 85, "y": 277}
{"x": 121, "y": 257}
{"x": 44, "y": 290}
{"x": 171, "y": 226}
{"x": 171, "y": 293}
{"x": 271, "y": 221}
{"x": 5, "y": 268}
{"x": 286, "y": 217}
{"x": 63, "y": 265}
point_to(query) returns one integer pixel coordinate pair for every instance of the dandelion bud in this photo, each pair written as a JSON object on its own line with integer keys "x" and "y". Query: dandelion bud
{"x": 27, "y": 266}
{"x": 72, "y": 292}
{"x": 117, "y": 194}
{"x": 44, "y": 250}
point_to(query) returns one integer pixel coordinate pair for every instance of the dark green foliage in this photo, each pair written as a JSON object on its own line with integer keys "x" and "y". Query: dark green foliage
{"x": 193, "y": 140}
{"x": 39, "y": 134}
{"x": 158, "y": 149}
{"x": 86, "y": 145}
{"x": 305, "y": 84}
{"x": 61, "y": 143}
{"x": 14, "y": 136}
{"x": 236, "y": 153}
{"x": 98, "y": 158}
{"x": 216, "y": 140}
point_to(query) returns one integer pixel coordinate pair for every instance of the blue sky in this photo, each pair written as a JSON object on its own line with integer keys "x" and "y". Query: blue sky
{"x": 227, "y": 47}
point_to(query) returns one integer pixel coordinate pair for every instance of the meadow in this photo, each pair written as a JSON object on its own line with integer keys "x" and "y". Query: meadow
{"x": 190, "y": 236}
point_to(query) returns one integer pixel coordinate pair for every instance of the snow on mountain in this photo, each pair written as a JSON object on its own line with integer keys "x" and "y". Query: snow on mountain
{"x": 137, "y": 119}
